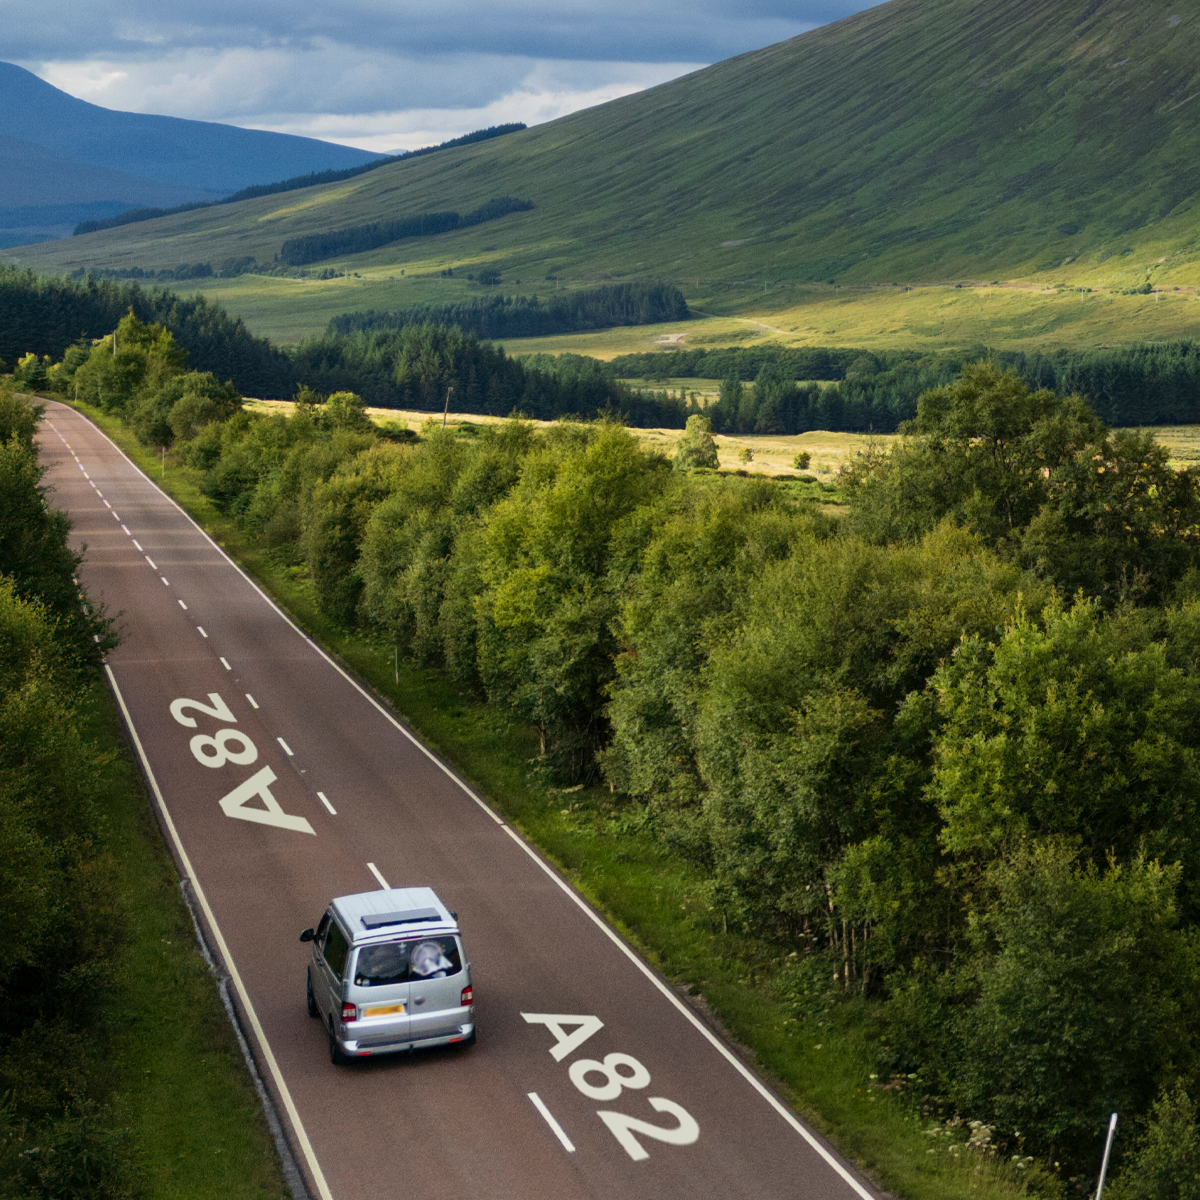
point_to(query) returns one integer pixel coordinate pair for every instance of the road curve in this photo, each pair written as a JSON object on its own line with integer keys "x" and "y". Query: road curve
{"x": 501, "y": 1120}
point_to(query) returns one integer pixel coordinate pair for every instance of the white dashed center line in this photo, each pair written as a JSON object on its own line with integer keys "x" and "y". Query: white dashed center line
{"x": 253, "y": 702}
{"x": 202, "y": 633}
{"x": 226, "y": 665}
{"x": 559, "y": 1132}
{"x": 383, "y": 883}
{"x": 164, "y": 579}
{"x": 183, "y": 606}
{"x": 138, "y": 545}
{"x": 325, "y": 801}
{"x": 151, "y": 562}
{"x": 286, "y": 748}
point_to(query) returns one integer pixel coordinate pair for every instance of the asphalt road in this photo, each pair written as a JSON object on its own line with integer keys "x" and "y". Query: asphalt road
{"x": 452, "y": 1123}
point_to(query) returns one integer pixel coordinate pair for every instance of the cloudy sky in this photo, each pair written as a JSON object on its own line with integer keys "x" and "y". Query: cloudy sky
{"x": 383, "y": 74}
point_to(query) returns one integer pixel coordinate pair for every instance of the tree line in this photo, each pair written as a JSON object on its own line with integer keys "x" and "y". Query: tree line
{"x": 860, "y": 391}
{"x": 494, "y": 317}
{"x": 1156, "y": 384}
{"x": 57, "y": 896}
{"x": 412, "y": 367}
{"x": 313, "y": 179}
{"x": 46, "y": 315}
{"x": 313, "y": 247}
{"x": 941, "y": 752}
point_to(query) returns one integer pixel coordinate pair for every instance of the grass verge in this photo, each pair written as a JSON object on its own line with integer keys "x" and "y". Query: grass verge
{"x": 817, "y": 1052}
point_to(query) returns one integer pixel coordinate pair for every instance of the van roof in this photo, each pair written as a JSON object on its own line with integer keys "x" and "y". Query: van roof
{"x": 374, "y": 916}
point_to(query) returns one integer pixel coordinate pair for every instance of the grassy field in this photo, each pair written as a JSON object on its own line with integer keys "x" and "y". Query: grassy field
{"x": 921, "y": 141}
{"x": 772, "y": 455}
{"x": 1001, "y": 316}
{"x": 818, "y": 1054}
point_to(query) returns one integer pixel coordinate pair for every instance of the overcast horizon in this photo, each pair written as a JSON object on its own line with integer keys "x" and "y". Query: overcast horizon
{"x": 385, "y": 75}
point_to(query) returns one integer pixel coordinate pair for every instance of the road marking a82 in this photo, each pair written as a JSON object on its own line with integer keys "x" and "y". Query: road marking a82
{"x": 620, "y": 1072}
{"x": 214, "y": 751}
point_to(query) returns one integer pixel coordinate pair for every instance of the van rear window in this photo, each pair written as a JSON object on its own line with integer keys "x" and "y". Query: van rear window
{"x": 399, "y": 962}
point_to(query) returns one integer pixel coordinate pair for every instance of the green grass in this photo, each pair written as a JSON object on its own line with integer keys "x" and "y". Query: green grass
{"x": 921, "y": 141}
{"x": 171, "y": 1063}
{"x": 818, "y": 1054}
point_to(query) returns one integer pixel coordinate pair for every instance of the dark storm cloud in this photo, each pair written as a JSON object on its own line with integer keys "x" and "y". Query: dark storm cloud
{"x": 620, "y": 31}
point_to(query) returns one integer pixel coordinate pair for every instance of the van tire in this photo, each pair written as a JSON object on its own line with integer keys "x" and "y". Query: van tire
{"x": 335, "y": 1051}
{"x": 313, "y": 1010}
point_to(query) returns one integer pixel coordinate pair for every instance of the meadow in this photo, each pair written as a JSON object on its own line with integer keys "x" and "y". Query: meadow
{"x": 771, "y": 455}
{"x": 939, "y": 317}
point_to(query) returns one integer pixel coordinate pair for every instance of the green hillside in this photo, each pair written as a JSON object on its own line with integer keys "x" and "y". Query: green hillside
{"x": 920, "y": 141}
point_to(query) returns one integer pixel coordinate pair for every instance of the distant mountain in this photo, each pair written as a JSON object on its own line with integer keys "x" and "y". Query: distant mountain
{"x": 66, "y": 160}
{"x": 921, "y": 140}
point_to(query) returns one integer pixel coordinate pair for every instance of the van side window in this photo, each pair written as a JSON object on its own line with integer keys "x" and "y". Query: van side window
{"x": 323, "y": 928}
{"x": 335, "y": 950}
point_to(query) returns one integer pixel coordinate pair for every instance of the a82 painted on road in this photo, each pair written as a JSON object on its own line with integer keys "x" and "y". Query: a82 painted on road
{"x": 217, "y": 750}
{"x": 605, "y": 1079}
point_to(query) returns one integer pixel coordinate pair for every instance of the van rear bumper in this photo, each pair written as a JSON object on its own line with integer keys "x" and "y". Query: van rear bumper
{"x": 362, "y": 1050}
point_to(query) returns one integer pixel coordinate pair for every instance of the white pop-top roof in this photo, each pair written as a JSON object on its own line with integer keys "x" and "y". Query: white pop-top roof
{"x": 392, "y": 911}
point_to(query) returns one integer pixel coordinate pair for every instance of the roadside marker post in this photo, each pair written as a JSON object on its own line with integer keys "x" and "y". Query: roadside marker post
{"x": 1112, "y": 1129}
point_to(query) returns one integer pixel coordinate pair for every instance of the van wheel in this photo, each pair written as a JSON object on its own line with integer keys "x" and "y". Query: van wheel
{"x": 335, "y": 1051}
{"x": 313, "y": 1010}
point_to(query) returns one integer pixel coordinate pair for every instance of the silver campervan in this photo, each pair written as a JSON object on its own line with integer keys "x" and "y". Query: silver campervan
{"x": 388, "y": 973}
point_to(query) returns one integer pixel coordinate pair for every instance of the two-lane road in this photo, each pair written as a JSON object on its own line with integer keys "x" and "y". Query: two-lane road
{"x": 325, "y": 793}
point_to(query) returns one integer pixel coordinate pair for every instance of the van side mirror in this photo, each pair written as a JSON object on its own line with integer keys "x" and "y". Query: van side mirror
{"x": 307, "y": 935}
{"x": 452, "y": 913}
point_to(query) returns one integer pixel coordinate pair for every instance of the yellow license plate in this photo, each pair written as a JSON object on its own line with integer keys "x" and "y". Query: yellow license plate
{"x": 384, "y": 1010}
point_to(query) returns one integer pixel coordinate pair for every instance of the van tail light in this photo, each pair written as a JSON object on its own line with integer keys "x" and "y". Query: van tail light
{"x": 349, "y": 1013}
{"x": 467, "y": 997}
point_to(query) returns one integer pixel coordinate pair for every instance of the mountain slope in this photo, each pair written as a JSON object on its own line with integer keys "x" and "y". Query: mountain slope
{"x": 43, "y": 195}
{"x": 923, "y": 139}
{"x": 201, "y": 158}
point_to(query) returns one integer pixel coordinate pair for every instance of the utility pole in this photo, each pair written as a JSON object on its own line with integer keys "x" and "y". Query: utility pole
{"x": 446, "y": 410}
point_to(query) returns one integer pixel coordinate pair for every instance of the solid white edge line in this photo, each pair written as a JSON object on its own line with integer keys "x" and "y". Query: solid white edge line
{"x": 277, "y": 1075}
{"x": 559, "y": 1131}
{"x": 728, "y": 1054}
{"x": 325, "y": 801}
{"x": 383, "y": 883}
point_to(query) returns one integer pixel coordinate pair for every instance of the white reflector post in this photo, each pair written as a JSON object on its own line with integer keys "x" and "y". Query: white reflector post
{"x": 1112, "y": 1129}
